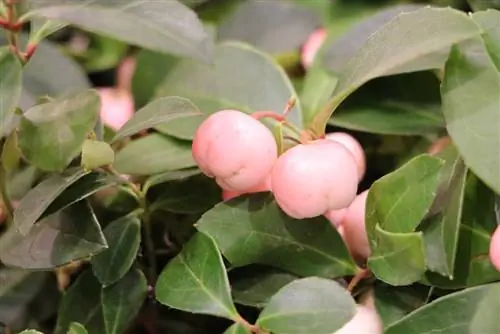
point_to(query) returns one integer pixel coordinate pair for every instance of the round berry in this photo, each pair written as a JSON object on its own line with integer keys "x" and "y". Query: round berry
{"x": 495, "y": 248}
{"x": 354, "y": 147}
{"x": 355, "y": 228}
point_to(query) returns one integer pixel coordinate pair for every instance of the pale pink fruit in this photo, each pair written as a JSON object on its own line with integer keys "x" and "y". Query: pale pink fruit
{"x": 310, "y": 179}
{"x": 312, "y": 46}
{"x": 355, "y": 229}
{"x": 265, "y": 186}
{"x": 125, "y": 73}
{"x": 495, "y": 248}
{"x": 117, "y": 107}
{"x": 354, "y": 147}
{"x": 365, "y": 321}
{"x": 336, "y": 217}
{"x": 236, "y": 149}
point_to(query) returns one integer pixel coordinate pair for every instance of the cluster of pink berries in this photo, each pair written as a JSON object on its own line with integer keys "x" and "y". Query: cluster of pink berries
{"x": 319, "y": 177}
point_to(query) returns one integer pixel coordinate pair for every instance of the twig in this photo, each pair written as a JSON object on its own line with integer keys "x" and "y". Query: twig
{"x": 361, "y": 275}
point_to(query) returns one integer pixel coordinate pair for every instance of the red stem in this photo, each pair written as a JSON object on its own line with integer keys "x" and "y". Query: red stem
{"x": 271, "y": 114}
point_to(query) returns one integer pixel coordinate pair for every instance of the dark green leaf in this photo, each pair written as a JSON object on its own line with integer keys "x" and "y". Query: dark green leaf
{"x": 239, "y": 79}
{"x": 253, "y": 229}
{"x": 123, "y": 237}
{"x": 309, "y": 305}
{"x": 177, "y": 175}
{"x": 76, "y": 328}
{"x": 68, "y": 235}
{"x": 255, "y": 286}
{"x": 52, "y": 134}
{"x": 96, "y": 154}
{"x": 122, "y": 301}
{"x": 30, "y": 331}
{"x": 155, "y": 153}
{"x": 195, "y": 280}
{"x": 170, "y": 26}
{"x": 11, "y": 157}
{"x": 477, "y": 5}
{"x": 81, "y": 303}
{"x": 319, "y": 85}
{"x": 237, "y": 329}
{"x": 473, "y": 310}
{"x": 159, "y": 114}
{"x": 33, "y": 205}
{"x": 10, "y": 89}
{"x": 472, "y": 82}
{"x": 488, "y": 20}
{"x": 42, "y": 28}
{"x": 272, "y": 26}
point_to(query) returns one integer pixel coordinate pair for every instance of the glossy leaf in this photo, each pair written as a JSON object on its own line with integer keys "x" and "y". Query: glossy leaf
{"x": 76, "y": 328}
{"x": 272, "y": 26}
{"x": 42, "y": 28}
{"x": 10, "y": 89}
{"x": 319, "y": 85}
{"x": 239, "y": 79}
{"x": 407, "y": 43}
{"x": 473, "y": 310}
{"x": 237, "y": 329}
{"x": 196, "y": 281}
{"x": 121, "y": 302}
{"x": 253, "y": 229}
{"x": 155, "y": 153}
{"x": 308, "y": 305}
{"x": 66, "y": 236}
{"x": 33, "y": 205}
{"x": 52, "y": 134}
{"x": 123, "y": 237}
{"x": 158, "y": 114}
{"x": 170, "y": 26}
{"x": 177, "y": 175}
{"x": 81, "y": 303}
{"x": 96, "y": 154}
{"x": 472, "y": 82}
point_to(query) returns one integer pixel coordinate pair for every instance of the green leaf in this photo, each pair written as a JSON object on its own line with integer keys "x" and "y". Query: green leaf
{"x": 195, "y": 280}
{"x": 472, "y": 82}
{"x": 389, "y": 118}
{"x": 237, "y": 328}
{"x": 122, "y": 301}
{"x": 271, "y": 26}
{"x": 478, "y": 5}
{"x": 123, "y": 237}
{"x": 309, "y": 305}
{"x": 442, "y": 230}
{"x": 177, "y": 175}
{"x": 103, "y": 53}
{"x": 319, "y": 85}
{"x": 81, "y": 303}
{"x": 76, "y": 328}
{"x": 487, "y": 20}
{"x": 30, "y": 331}
{"x": 255, "y": 286}
{"x": 253, "y": 229}
{"x": 170, "y": 26}
{"x": 32, "y": 205}
{"x": 235, "y": 81}
{"x": 52, "y": 134}
{"x": 396, "y": 205}
{"x": 158, "y": 114}
{"x": 473, "y": 310}
{"x": 472, "y": 264}
{"x": 10, "y": 156}
{"x": 96, "y": 154}
{"x": 152, "y": 154}
{"x": 10, "y": 89}
{"x": 42, "y": 28}
{"x": 68, "y": 235}
{"x": 407, "y": 43}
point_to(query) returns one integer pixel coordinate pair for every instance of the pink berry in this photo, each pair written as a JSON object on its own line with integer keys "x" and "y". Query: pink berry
{"x": 355, "y": 229}
{"x": 336, "y": 217}
{"x": 495, "y": 248}
{"x": 366, "y": 321}
{"x": 354, "y": 147}
{"x": 310, "y": 179}
{"x": 236, "y": 149}
{"x": 125, "y": 73}
{"x": 265, "y": 186}
{"x": 312, "y": 46}
{"x": 117, "y": 107}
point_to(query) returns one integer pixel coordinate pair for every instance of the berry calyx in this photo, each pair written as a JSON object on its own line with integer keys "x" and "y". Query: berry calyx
{"x": 354, "y": 147}
{"x": 354, "y": 228}
{"x": 495, "y": 248}
{"x": 310, "y": 179}
{"x": 235, "y": 149}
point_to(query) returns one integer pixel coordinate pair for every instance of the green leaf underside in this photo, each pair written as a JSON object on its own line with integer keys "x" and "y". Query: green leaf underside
{"x": 10, "y": 88}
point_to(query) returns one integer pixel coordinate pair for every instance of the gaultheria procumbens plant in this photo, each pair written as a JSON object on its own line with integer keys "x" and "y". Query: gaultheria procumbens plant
{"x": 249, "y": 166}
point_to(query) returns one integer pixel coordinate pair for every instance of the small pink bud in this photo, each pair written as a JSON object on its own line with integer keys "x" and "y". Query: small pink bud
{"x": 312, "y": 46}
{"x": 311, "y": 179}
{"x": 266, "y": 186}
{"x": 117, "y": 107}
{"x": 355, "y": 228}
{"x": 354, "y": 147}
{"x": 125, "y": 73}
{"x": 495, "y": 248}
{"x": 236, "y": 149}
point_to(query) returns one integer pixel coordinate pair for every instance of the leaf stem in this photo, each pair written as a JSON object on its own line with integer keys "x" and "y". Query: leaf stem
{"x": 361, "y": 275}
{"x": 252, "y": 328}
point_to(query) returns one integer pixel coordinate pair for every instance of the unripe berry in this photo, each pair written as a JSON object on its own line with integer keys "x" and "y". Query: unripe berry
{"x": 366, "y": 321}
{"x": 495, "y": 248}
{"x": 235, "y": 149}
{"x": 312, "y": 46}
{"x": 265, "y": 186}
{"x": 310, "y": 179}
{"x": 117, "y": 107}
{"x": 354, "y": 147}
{"x": 355, "y": 228}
